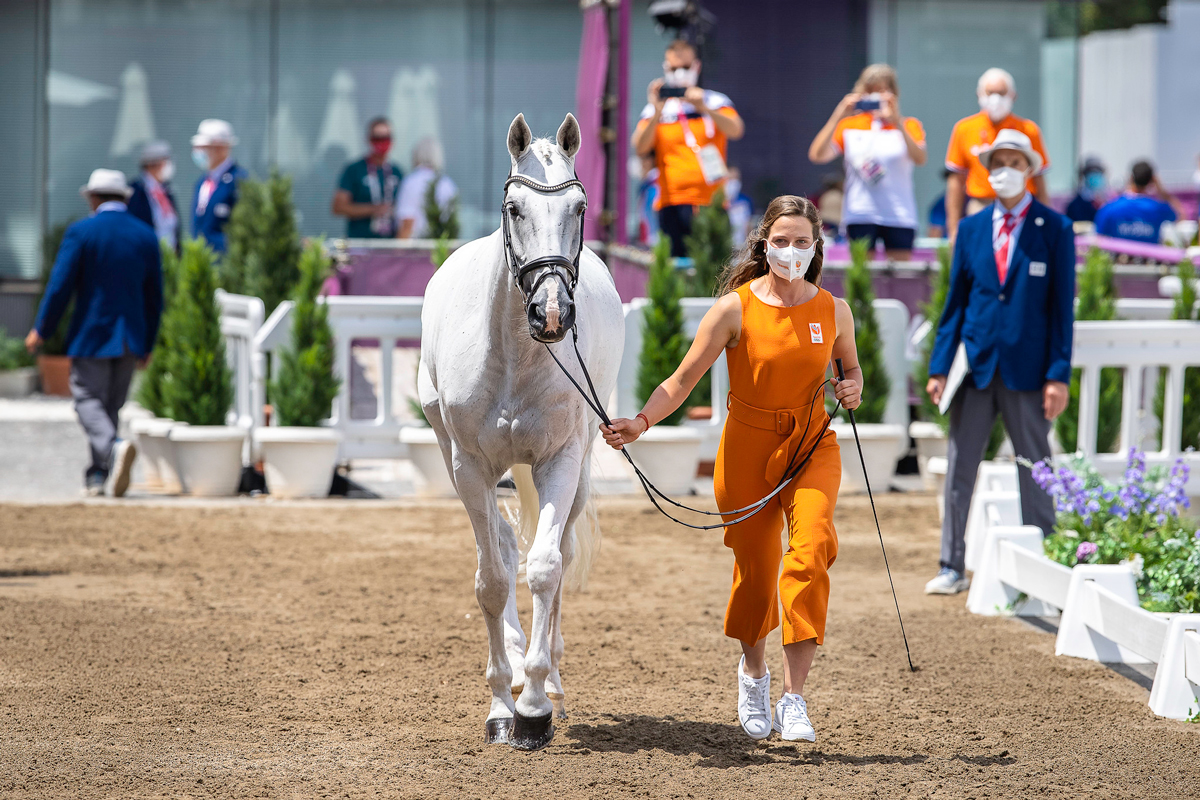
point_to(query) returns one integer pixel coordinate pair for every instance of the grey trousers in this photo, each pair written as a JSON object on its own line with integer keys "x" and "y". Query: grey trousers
{"x": 972, "y": 414}
{"x": 99, "y": 386}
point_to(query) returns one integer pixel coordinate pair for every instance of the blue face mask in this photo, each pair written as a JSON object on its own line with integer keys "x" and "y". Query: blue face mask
{"x": 1094, "y": 181}
{"x": 200, "y": 159}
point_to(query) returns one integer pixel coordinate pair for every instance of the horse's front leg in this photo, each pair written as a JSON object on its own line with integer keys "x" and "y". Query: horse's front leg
{"x": 557, "y": 483}
{"x": 495, "y": 581}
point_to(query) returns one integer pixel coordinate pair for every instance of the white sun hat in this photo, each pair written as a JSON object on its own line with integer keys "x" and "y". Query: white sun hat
{"x": 1011, "y": 139}
{"x": 106, "y": 181}
{"x": 214, "y": 131}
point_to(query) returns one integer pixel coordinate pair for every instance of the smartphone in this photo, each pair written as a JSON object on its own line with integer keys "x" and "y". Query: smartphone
{"x": 867, "y": 104}
{"x": 672, "y": 91}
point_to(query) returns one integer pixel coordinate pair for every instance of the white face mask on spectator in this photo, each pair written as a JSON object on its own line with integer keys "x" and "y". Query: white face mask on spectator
{"x": 997, "y": 106}
{"x": 167, "y": 172}
{"x": 1007, "y": 182}
{"x": 685, "y": 77}
{"x": 790, "y": 263}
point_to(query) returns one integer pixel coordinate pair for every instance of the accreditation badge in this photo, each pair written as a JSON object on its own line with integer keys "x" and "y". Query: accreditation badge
{"x": 814, "y": 330}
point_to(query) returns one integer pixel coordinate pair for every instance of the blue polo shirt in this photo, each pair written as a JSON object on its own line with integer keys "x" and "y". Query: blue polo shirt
{"x": 1133, "y": 216}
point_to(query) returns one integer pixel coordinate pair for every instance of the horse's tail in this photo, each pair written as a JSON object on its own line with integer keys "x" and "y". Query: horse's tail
{"x": 525, "y": 521}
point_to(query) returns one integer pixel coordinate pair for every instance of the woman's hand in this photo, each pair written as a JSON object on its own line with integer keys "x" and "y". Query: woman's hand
{"x": 889, "y": 109}
{"x": 846, "y": 107}
{"x": 848, "y": 393}
{"x": 622, "y": 432}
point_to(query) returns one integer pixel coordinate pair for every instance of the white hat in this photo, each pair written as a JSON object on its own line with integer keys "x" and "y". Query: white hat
{"x": 106, "y": 181}
{"x": 1011, "y": 139}
{"x": 214, "y": 131}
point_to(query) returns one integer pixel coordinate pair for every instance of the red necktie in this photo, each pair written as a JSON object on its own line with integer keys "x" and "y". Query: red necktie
{"x": 1006, "y": 229}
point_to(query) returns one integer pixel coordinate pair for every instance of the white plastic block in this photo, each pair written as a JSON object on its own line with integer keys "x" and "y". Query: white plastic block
{"x": 988, "y": 508}
{"x": 1075, "y": 637}
{"x": 990, "y": 595}
{"x": 1176, "y": 690}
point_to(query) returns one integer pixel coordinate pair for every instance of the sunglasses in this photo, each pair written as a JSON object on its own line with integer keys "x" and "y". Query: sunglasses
{"x": 381, "y": 138}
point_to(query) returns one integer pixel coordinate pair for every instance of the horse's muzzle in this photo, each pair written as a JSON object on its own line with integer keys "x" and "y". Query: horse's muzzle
{"x": 550, "y": 321}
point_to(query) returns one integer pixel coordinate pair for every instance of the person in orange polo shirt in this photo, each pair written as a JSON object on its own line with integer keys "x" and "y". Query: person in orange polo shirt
{"x": 688, "y": 132}
{"x": 968, "y": 181}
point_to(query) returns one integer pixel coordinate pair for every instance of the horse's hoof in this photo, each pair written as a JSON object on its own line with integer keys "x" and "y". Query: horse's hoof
{"x": 498, "y": 731}
{"x": 560, "y": 704}
{"x": 531, "y": 733}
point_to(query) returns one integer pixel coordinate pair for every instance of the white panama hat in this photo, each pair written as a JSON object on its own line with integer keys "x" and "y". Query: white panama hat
{"x": 214, "y": 131}
{"x": 1011, "y": 139}
{"x": 106, "y": 181}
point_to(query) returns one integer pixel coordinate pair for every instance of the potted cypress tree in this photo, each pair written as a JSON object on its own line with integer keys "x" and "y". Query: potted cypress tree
{"x": 197, "y": 388}
{"x": 669, "y": 453}
{"x": 881, "y": 444}
{"x": 158, "y": 456}
{"x": 299, "y": 454}
{"x": 263, "y": 255}
{"x": 929, "y": 432}
{"x": 17, "y": 373}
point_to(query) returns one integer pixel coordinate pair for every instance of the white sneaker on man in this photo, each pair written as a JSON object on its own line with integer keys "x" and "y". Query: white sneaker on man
{"x": 791, "y": 719}
{"x": 947, "y": 581}
{"x": 124, "y": 452}
{"x": 754, "y": 700}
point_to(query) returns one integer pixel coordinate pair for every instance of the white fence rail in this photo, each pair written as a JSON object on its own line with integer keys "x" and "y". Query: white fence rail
{"x": 241, "y": 319}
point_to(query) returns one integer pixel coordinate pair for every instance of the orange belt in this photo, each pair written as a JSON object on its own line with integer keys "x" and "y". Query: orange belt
{"x": 784, "y": 421}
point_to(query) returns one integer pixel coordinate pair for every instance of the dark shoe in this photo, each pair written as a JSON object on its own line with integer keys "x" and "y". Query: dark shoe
{"x": 123, "y": 455}
{"x": 93, "y": 484}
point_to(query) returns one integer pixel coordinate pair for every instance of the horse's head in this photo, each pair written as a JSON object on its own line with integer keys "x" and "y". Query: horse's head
{"x": 542, "y": 225}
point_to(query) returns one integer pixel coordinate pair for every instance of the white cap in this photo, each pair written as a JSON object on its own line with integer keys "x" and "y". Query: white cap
{"x": 214, "y": 131}
{"x": 1012, "y": 139}
{"x": 106, "y": 181}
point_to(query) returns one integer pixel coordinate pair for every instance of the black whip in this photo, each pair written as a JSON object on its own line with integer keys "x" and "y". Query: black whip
{"x": 841, "y": 376}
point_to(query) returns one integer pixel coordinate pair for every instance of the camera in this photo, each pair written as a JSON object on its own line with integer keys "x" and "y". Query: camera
{"x": 672, "y": 91}
{"x": 868, "y": 103}
{"x": 688, "y": 18}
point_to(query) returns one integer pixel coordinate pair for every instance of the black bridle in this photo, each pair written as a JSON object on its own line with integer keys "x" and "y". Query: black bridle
{"x": 566, "y": 269}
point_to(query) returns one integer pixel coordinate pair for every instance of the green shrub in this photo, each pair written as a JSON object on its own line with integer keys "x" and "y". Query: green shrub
{"x": 13, "y": 354}
{"x": 663, "y": 342}
{"x": 149, "y": 393}
{"x": 1097, "y": 301}
{"x": 442, "y": 222}
{"x": 440, "y": 252}
{"x": 262, "y": 242}
{"x": 303, "y": 389}
{"x": 709, "y": 245}
{"x": 861, "y": 297}
{"x": 196, "y": 387}
{"x": 933, "y": 313}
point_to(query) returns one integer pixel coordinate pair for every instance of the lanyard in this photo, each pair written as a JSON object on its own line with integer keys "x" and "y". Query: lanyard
{"x": 689, "y": 138}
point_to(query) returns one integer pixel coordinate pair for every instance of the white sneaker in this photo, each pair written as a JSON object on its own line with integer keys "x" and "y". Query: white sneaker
{"x": 947, "y": 581}
{"x": 124, "y": 452}
{"x": 791, "y": 719}
{"x": 754, "y": 698}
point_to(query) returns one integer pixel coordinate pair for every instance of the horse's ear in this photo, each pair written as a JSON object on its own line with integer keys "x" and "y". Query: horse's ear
{"x": 569, "y": 136}
{"x": 519, "y": 137}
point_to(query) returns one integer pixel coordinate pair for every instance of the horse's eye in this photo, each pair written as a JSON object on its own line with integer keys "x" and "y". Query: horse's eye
{"x": 511, "y": 208}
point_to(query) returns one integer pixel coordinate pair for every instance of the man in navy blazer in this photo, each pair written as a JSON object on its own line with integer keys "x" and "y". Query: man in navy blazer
{"x": 1010, "y": 312}
{"x": 151, "y": 199}
{"x": 111, "y": 263}
{"x": 216, "y": 191}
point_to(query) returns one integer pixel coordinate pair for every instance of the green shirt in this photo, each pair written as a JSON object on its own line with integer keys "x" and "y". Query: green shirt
{"x": 371, "y": 185}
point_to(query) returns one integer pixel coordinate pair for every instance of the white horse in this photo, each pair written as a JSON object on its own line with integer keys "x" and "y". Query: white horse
{"x": 496, "y": 400}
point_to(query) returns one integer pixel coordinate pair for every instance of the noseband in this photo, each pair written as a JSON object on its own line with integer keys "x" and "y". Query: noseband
{"x": 560, "y": 266}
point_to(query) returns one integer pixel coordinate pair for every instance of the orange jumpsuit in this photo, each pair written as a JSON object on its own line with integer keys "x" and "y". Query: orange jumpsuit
{"x": 774, "y": 372}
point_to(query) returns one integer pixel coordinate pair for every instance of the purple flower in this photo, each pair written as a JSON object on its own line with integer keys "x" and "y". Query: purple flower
{"x": 1085, "y": 551}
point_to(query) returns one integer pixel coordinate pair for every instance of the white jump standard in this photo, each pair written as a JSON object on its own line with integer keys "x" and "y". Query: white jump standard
{"x": 496, "y": 400}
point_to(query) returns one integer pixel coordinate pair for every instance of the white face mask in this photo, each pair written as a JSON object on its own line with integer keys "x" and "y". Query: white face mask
{"x": 200, "y": 158}
{"x": 997, "y": 106}
{"x": 1007, "y": 182}
{"x": 167, "y": 172}
{"x": 684, "y": 77}
{"x": 790, "y": 263}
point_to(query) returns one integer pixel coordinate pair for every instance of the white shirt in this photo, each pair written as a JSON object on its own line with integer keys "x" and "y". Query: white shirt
{"x": 111, "y": 205}
{"x": 166, "y": 221}
{"x": 210, "y": 184}
{"x": 998, "y": 212}
{"x": 410, "y": 202}
{"x": 890, "y": 199}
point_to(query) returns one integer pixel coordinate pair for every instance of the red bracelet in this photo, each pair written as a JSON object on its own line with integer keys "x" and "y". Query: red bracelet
{"x": 644, "y": 418}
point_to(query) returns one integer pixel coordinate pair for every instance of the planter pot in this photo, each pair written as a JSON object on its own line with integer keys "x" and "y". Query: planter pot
{"x": 298, "y": 462}
{"x": 937, "y": 470}
{"x": 426, "y": 455}
{"x": 209, "y": 458}
{"x": 55, "y": 372}
{"x": 880, "y": 447}
{"x": 150, "y": 447}
{"x": 19, "y": 382}
{"x": 931, "y": 442}
{"x": 669, "y": 455}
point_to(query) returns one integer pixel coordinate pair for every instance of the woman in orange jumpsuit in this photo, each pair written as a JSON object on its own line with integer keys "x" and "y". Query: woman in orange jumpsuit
{"x": 780, "y": 332}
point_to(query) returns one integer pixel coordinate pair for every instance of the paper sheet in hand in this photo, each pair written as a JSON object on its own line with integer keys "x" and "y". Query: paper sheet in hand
{"x": 958, "y": 371}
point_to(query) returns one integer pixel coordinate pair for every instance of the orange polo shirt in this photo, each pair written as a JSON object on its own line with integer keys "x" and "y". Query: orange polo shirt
{"x": 681, "y": 183}
{"x": 975, "y": 133}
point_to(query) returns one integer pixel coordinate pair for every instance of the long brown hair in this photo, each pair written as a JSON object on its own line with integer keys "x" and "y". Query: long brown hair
{"x": 751, "y": 262}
